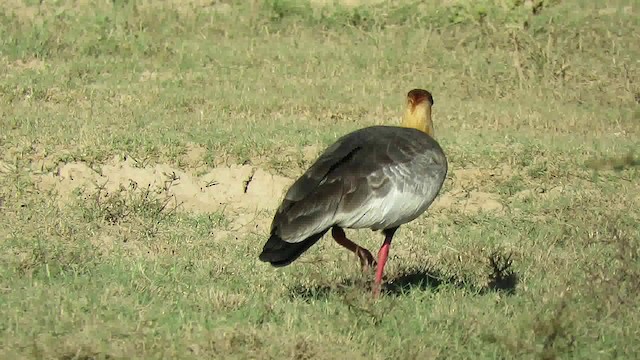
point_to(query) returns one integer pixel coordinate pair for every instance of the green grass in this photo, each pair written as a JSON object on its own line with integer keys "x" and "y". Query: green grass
{"x": 542, "y": 104}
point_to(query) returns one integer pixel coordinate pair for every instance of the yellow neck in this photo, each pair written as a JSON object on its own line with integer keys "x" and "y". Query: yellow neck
{"x": 419, "y": 117}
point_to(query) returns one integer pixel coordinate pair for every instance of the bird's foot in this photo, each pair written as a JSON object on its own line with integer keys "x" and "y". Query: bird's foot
{"x": 367, "y": 262}
{"x": 376, "y": 290}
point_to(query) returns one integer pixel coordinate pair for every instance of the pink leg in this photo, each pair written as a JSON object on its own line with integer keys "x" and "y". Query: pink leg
{"x": 383, "y": 254}
{"x": 366, "y": 259}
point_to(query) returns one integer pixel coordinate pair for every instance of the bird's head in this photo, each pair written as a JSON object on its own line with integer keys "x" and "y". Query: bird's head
{"x": 417, "y": 114}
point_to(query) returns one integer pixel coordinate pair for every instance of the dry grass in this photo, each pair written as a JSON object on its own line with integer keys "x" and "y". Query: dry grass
{"x": 531, "y": 251}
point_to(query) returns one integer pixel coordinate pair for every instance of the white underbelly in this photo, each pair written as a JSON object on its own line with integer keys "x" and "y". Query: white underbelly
{"x": 394, "y": 209}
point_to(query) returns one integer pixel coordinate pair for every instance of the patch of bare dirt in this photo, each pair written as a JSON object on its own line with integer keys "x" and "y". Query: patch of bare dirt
{"x": 543, "y": 193}
{"x": 311, "y": 152}
{"x": 470, "y": 178}
{"x": 238, "y": 187}
{"x": 194, "y": 155}
{"x": 245, "y": 194}
{"x": 464, "y": 191}
{"x": 469, "y": 202}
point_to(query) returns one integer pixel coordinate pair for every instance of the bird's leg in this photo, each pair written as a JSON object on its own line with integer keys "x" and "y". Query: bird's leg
{"x": 366, "y": 259}
{"x": 382, "y": 259}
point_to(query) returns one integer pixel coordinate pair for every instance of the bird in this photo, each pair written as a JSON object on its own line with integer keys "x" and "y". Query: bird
{"x": 378, "y": 177}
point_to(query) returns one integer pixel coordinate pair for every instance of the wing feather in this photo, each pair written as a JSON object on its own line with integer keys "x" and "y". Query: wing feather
{"x": 362, "y": 180}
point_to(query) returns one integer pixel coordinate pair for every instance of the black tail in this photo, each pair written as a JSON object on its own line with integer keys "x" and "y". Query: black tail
{"x": 281, "y": 253}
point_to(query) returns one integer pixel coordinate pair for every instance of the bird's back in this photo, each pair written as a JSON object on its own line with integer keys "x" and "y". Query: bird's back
{"x": 376, "y": 177}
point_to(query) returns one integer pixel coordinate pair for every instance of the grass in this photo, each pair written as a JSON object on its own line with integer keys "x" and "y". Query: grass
{"x": 541, "y": 102}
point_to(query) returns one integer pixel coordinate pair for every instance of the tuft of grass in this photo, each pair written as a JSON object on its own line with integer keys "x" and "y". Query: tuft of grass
{"x": 124, "y": 204}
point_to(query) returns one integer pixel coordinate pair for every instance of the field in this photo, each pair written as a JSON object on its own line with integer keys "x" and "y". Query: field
{"x": 146, "y": 145}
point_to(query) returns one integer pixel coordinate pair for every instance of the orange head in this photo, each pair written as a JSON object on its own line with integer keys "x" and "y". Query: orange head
{"x": 417, "y": 114}
{"x": 417, "y": 96}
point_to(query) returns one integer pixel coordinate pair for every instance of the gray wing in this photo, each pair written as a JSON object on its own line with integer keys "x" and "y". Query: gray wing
{"x": 348, "y": 180}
